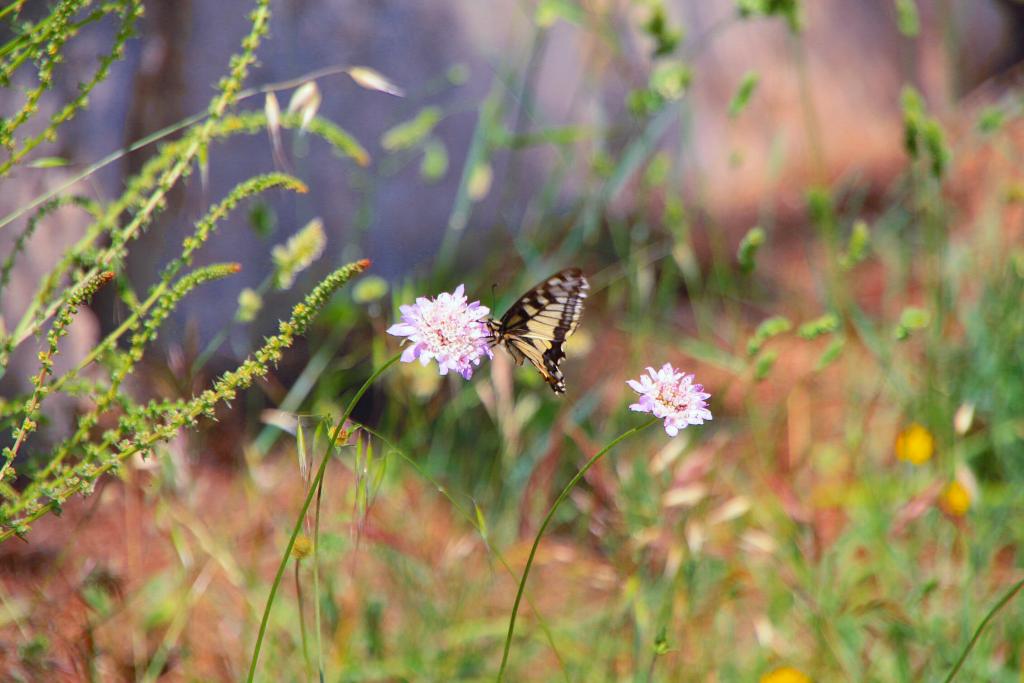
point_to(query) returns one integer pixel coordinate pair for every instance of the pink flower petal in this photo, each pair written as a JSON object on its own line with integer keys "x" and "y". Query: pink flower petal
{"x": 672, "y": 396}
{"x": 446, "y": 329}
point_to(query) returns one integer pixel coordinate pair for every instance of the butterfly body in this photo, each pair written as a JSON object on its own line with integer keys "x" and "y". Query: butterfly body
{"x": 536, "y": 326}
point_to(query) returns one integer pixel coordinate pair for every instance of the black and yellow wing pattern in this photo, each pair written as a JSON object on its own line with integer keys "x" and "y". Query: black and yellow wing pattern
{"x": 536, "y": 326}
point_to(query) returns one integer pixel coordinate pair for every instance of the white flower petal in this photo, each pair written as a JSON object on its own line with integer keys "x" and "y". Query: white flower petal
{"x": 401, "y": 330}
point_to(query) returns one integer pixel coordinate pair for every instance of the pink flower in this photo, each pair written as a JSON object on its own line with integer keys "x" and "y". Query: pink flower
{"x": 672, "y": 396}
{"x": 446, "y": 329}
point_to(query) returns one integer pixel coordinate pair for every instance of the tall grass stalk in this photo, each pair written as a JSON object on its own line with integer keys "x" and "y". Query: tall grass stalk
{"x": 544, "y": 525}
{"x": 476, "y": 521}
{"x": 1014, "y": 589}
{"x": 314, "y": 487}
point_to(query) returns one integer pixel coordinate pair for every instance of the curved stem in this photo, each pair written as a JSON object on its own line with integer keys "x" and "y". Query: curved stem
{"x": 316, "y": 583}
{"x": 313, "y": 487}
{"x": 544, "y": 525}
{"x": 984, "y": 622}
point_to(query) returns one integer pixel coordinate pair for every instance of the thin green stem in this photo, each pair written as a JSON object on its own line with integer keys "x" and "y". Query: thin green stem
{"x": 316, "y": 584}
{"x": 302, "y": 622}
{"x": 544, "y": 525}
{"x": 177, "y": 626}
{"x": 314, "y": 486}
{"x": 981, "y": 627}
{"x": 301, "y": 387}
{"x": 473, "y": 521}
{"x": 13, "y": 7}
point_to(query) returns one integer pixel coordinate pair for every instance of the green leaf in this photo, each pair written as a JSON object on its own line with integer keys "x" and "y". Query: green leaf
{"x": 298, "y": 253}
{"x": 481, "y": 521}
{"x": 48, "y": 162}
{"x": 820, "y": 207}
{"x": 671, "y": 79}
{"x": 369, "y": 288}
{"x": 834, "y": 350}
{"x": 991, "y": 119}
{"x": 743, "y": 94}
{"x": 644, "y": 102}
{"x": 262, "y": 219}
{"x": 913, "y": 115}
{"x": 771, "y": 327}
{"x": 457, "y": 74}
{"x": 923, "y": 134}
{"x": 907, "y": 18}
{"x": 302, "y": 452}
{"x": 435, "y": 161}
{"x": 556, "y": 135}
{"x": 657, "y": 170}
{"x": 550, "y": 11}
{"x": 858, "y": 247}
{"x": 249, "y": 305}
{"x": 96, "y": 595}
{"x": 751, "y": 243}
{"x": 935, "y": 142}
{"x": 479, "y": 183}
{"x": 911, "y": 319}
{"x": 764, "y": 365}
{"x": 815, "y": 328}
{"x": 412, "y": 132}
{"x": 666, "y": 39}
{"x": 34, "y": 651}
{"x": 661, "y": 643}
{"x": 786, "y": 9}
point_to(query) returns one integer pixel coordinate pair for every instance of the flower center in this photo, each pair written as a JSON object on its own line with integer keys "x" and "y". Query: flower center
{"x": 446, "y": 331}
{"x": 674, "y": 396}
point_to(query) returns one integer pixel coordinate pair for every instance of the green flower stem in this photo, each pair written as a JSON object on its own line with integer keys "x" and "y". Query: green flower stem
{"x": 313, "y": 487}
{"x": 544, "y": 525}
{"x": 981, "y": 627}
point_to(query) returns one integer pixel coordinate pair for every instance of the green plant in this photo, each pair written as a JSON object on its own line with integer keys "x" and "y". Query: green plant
{"x": 50, "y": 477}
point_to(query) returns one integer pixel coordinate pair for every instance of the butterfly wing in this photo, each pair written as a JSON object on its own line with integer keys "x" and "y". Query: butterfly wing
{"x": 536, "y": 326}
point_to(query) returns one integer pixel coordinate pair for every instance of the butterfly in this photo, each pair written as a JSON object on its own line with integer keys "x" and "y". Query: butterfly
{"x": 536, "y": 326}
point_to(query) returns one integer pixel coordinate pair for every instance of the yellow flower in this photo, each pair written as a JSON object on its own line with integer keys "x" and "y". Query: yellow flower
{"x": 303, "y": 546}
{"x": 786, "y": 674}
{"x": 955, "y": 500}
{"x": 915, "y": 444}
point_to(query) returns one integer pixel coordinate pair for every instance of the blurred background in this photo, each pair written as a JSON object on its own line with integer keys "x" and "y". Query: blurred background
{"x": 560, "y": 82}
{"x": 815, "y": 206}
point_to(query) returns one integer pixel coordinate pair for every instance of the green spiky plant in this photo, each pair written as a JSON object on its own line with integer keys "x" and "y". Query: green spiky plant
{"x": 37, "y": 480}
